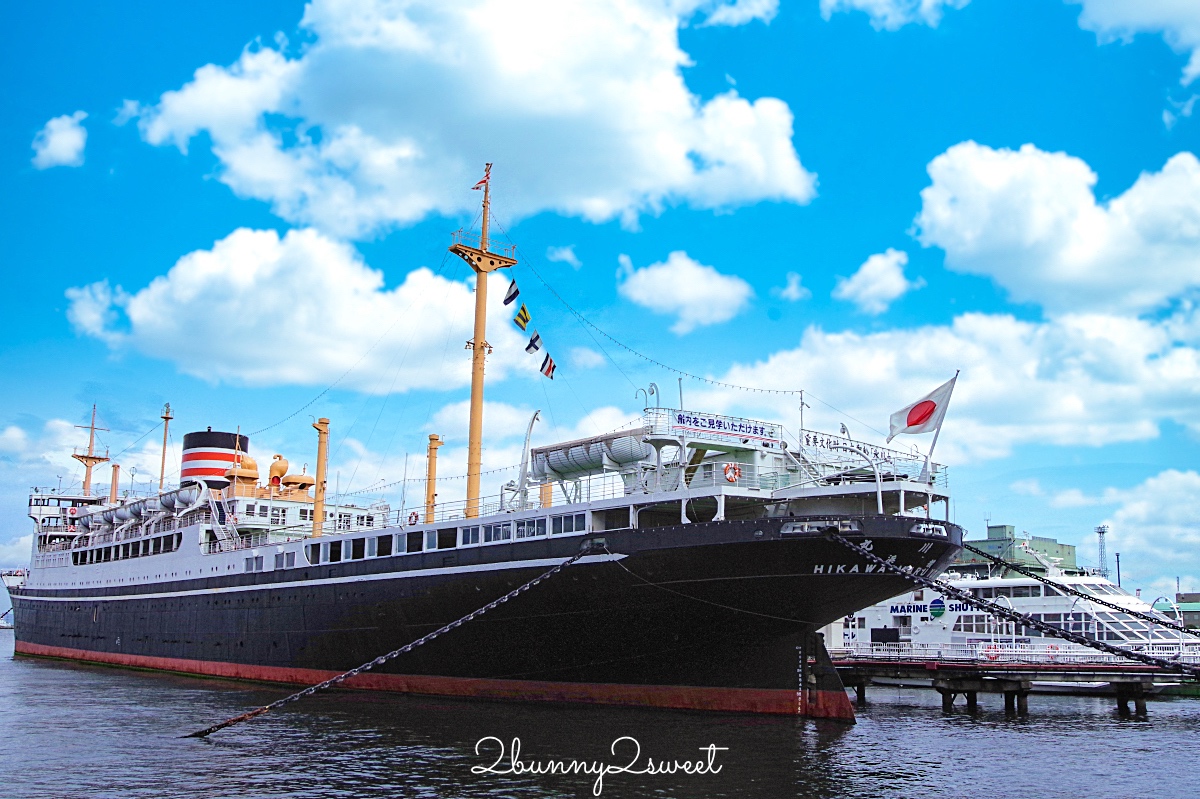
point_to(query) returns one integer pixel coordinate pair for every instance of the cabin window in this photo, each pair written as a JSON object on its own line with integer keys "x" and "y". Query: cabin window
{"x": 470, "y": 535}
{"x": 370, "y": 547}
{"x": 358, "y": 549}
{"x": 384, "y": 546}
{"x": 918, "y": 596}
{"x": 573, "y": 523}
{"x": 1019, "y": 591}
{"x": 446, "y": 539}
{"x": 343, "y": 521}
{"x": 279, "y": 516}
{"x": 1035, "y": 590}
{"x": 862, "y": 622}
{"x": 262, "y": 510}
{"x": 528, "y": 528}
{"x": 254, "y": 564}
{"x": 313, "y": 553}
{"x": 413, "y": 542}
{"x": 1048, "y": 591}
{"x": 250, "y": 509}
{"x": 278, "y": 560}
{"x": 285, "y": 560}
{"x": 305, "y": 515}
{"x": 335, "y": 551}
{"x": 431, "y": 539}
{"x": 497, "y": 532}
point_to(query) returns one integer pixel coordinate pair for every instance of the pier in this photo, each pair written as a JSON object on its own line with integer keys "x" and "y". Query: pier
{"x": 1014, "y": 671}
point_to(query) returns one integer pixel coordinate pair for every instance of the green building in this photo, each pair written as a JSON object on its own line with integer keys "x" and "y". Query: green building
{"x": 1003, "y": 541}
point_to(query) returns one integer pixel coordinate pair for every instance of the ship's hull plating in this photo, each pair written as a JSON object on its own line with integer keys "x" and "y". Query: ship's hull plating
{"x": 705, "y": 616}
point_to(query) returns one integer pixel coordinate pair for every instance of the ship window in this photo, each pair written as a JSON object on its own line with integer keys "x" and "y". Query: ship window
{"x": 1035, "y": 590}
{"x": 250, "y": 510}
{"x": 528, "y": 528}
{"x": 313, "y": 553}
{"x": 262, "y": 510}
{"x": 358, "y": 549}
{"x": 446, "y": 539}
{"x": 370, "y": 547}
{"x": 1020, "y": 591}
{"x": 986, "y": 593}
{"x": 918, "y": 596}
{"x": 470, "y": 535}
{"x": 384, "y": 546}
{"x": 573, "y": 523}
{"x": 497, "y": 532}
{"x": 335, "y": 551}
{"x": 278, "y": 560}
{"x": 343, "y": 521}
{"x": 413, "y": 542}
{"x": 305, "y": 515}
{"x": 1048, "y": 591}
{"x": 254, "y": 564}
{"x": 1003, "y": 590}
{"x": 862, "y": 622}
{"x": 279, "y": 516}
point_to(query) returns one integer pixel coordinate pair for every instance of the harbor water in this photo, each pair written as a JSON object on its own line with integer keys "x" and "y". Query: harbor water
{"x": 83, "y": 731}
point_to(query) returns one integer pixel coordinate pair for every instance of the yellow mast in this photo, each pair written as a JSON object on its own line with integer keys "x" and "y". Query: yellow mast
{"x": 322, "y": 428}
{"x": 483, "y": 261}
{"x": 91, "y": 458}
{"x": 431, "y": 476}
{"x": 162, "y": 469}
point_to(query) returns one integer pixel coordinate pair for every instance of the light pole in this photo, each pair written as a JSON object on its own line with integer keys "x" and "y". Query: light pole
{"x": 1014, "y": 610}
{"x": 1178, "y": 618}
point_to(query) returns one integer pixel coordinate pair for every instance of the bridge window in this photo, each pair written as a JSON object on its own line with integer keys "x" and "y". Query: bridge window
{"x": 262, "y": 510}
{"x": 1019, "y": 591}
{"x": 313, "y": 553}
{"x": 470, "y": 535}
{"x": 254, "y": 564}
{"x": 335, "y": 551}
{"x": 446, "y": 539}
{"x": 529, "y": 528}
{"x": 497, "y": 532}
{"x": 383, "y": 547}
{"x": 358, "y": 549}
{"x": 572, "y": 523}
{"x": 412, "y": 542}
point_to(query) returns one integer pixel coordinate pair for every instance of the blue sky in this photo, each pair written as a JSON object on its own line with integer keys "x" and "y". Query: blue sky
{"x": 232, "y": 209}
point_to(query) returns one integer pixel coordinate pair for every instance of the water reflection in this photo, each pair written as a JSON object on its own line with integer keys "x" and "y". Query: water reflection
{"x": 77, "y": 731}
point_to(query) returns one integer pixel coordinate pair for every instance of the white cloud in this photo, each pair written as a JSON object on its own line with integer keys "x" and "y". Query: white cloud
{"x": 1030, "y": 221}
{"x": 894, "y": 14}
{"x": 1076, "y": 380}
{"x": 792, "y": 291}
{"x": 739, "y": 12}
{"x": 1182, "y": 110}
{"x": 565, "y": 255}
{"x": 1029, "y": 487}
{"x": 696, "y": 294}
{"x": 586, "y": 358}
{"x": 60, "y": 142}
{"x": 878, "y": 282}
{"x": 15, "y": 552}
{"x": 390, "y": 112}
{"x": 303, "y": 310}
{"x": 1177, "y": 20}
{"x": 1155, "y": 528}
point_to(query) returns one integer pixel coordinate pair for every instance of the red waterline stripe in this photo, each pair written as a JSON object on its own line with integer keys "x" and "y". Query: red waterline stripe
{"x": 736, "y": 700}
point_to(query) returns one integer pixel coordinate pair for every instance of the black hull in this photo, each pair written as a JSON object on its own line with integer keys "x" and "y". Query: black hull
{"x": 717, "y": 605}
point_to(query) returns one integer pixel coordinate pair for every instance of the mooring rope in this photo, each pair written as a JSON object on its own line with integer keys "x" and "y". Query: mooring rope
{"x": 1011, "y": 615}
{"x": 379, "y": 661}
{"x": 1066, "y": 589}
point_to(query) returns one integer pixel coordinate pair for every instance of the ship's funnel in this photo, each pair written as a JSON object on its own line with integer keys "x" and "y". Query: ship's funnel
{"x": 208, "y": 455}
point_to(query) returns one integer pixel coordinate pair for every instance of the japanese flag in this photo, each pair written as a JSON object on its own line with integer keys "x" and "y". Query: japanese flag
{"x": 925, "y": 414}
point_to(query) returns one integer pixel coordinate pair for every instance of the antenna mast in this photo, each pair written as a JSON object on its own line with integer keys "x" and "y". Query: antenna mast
{"x": 483, "y": 261}
{"x": 91, "y": 459}
{"x": 1103, "y": 555}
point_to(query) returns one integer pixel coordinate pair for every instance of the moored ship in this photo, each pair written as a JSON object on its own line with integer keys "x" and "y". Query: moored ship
{"x": 705, "y": 575}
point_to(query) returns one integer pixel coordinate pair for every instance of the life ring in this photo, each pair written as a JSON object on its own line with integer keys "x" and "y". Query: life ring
{"x": 991, "y": 652}
{"x": 1051, "y": 651}
{"x": 413, "y": 518}
{"x": 733, "y": 472}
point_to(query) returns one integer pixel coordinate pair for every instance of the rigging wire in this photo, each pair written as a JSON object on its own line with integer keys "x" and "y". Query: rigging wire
{"x": 590, "y": 326}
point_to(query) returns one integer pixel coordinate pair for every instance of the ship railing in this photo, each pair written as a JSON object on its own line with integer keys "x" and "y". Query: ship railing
{"x": 1005, "y": 652}
{"x": 472, "y": 239}
{"x": 258, "y": 539}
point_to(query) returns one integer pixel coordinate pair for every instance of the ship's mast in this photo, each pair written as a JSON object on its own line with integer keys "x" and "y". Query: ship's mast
{"x": 91, "y": 459}
{"x": 483, "y": 261}
{"x": 162, "y": 469}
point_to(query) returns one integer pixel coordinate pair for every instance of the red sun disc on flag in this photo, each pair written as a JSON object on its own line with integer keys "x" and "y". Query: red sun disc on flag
{"x": 920, "y": 413}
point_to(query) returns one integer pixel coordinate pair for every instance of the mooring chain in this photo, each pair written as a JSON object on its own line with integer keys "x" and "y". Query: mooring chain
{"x": 1066, "y": 589}
{"x": 1012, "y": 615}
{"x": 379, "y": 661}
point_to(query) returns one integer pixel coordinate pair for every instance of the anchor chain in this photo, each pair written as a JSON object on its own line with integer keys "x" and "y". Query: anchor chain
{"x": 1011, "y": 615}
{"x": 1066, "y": 589}
{"x": 395, "y": 653}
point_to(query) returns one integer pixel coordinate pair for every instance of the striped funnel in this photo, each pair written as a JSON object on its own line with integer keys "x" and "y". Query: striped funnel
{"x": 208, "y": 455}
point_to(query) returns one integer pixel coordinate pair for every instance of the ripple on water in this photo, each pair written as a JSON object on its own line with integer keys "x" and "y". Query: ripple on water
{"x": 81, "y": 731}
